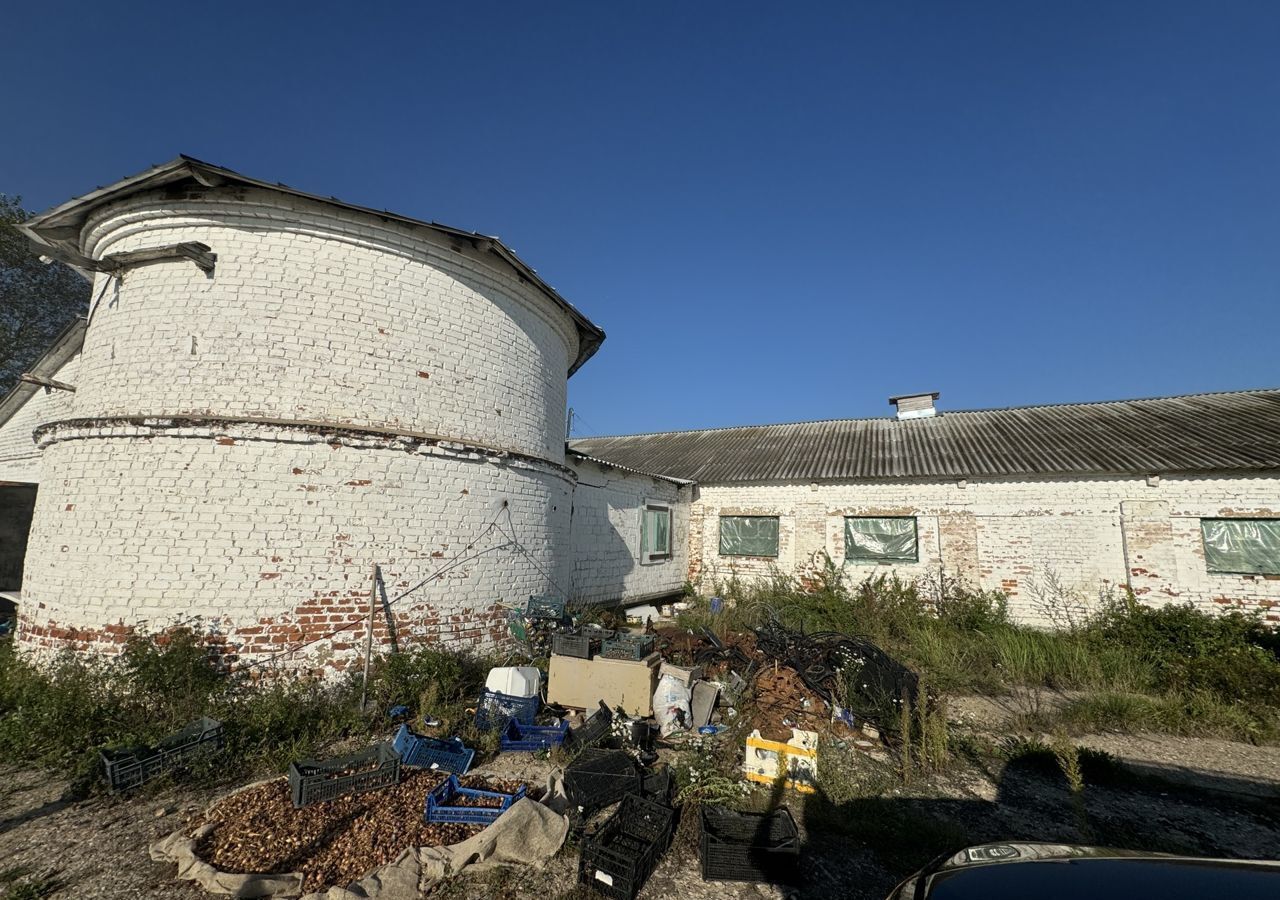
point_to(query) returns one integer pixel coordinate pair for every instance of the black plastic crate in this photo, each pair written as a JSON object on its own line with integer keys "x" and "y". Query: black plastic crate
{"x": 130, "y": 767}
{"x": 312, "y": 781}
{"x": 598, "y": 778}
{"x": 595, "y": 729}
{"x": 581, "y": 643}
{"x": 545, "y": 607}
{"x": 617, "y": 859}
{"x": 759, "y": 847}
{"x": 627, "y": 646}
{"x": 658, "y": 786}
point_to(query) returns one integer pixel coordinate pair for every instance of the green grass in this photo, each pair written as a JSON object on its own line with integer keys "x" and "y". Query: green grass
{"x": 1197, "y": 714}
{"x": 1173, "y": 669}
{"x": 62, "y": 714}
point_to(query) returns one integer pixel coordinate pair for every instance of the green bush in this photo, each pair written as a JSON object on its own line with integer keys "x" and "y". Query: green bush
{"x": 1226, "y": 656}
{"x": 61, "y": 714}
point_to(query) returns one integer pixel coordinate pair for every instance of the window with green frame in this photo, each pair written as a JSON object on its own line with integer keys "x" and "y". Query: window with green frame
{"x": 1241, "y": 546}
{"x": 748, "y": 535}
{"x": 874, "y": 539}
{"x": 655, "y": 533}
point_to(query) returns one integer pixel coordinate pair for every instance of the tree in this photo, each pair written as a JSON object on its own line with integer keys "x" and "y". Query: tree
{"x": 37, "y": 300}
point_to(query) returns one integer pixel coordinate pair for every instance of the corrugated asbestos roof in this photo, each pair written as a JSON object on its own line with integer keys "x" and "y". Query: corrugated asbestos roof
{"x": 1195, "y": 433}
{"x": 58, "y": 229}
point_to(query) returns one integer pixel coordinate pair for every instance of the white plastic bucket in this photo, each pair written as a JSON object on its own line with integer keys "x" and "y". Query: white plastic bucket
{"x": 515, "y": 681}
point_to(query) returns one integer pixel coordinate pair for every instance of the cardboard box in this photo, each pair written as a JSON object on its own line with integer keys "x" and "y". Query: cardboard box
{"x": 583, "y": 683}
{"x": 797, "y": 758}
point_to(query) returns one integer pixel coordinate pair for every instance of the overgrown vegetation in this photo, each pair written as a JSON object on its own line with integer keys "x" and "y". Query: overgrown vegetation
{"x": 1172, "y": 669}
{"x": 62, "y": 714}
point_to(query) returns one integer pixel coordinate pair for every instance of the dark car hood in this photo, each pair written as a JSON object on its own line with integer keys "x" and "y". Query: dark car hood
{"x": 1033, "y": 871}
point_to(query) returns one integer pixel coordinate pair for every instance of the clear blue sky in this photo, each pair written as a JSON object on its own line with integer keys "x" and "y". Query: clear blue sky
{"x": 778, "y": 211}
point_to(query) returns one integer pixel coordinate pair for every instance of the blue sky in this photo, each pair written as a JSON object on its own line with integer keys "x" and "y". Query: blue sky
{"x": 777, "y": 212}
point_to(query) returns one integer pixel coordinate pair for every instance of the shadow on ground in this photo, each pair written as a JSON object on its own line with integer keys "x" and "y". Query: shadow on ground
{"x": 862, "y": 848}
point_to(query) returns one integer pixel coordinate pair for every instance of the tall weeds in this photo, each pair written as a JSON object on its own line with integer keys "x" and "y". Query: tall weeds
{"x": 1190, "y": 665}
{"x": 61, "y": 714}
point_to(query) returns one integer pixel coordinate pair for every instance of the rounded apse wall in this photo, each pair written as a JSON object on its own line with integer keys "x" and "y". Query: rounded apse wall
{"x": 319, "y": 314}
{"x": 243, "y": 448}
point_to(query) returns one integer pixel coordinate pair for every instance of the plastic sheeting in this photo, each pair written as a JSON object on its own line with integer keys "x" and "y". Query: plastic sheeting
{"x": 868, "y": 539}
{"x": 748, "y": 535}
{"x": 1242, "y": 546}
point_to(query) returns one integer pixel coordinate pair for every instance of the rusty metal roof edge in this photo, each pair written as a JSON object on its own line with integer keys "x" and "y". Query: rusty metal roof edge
{"x": 590, "y": 335}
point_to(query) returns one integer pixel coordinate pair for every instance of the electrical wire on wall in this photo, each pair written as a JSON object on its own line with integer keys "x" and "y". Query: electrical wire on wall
{"x": 521, "y": 548}
{"x": 457, "y": 560}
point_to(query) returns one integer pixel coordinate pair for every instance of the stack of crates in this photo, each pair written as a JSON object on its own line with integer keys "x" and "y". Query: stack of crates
{"x": 596, "y": 779}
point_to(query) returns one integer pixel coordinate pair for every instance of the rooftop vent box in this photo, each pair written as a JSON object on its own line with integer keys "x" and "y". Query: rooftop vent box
{"x": 915, "y": 406}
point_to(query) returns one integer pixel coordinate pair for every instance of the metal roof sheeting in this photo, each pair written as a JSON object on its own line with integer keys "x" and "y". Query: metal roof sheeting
{"x": 1196, "y": 433}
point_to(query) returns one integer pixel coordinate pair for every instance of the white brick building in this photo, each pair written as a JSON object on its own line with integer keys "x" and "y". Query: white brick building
{"x": 1176, "y": 498}
{"x": 274, "y": 392}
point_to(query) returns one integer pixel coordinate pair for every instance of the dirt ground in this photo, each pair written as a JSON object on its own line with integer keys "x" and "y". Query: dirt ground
{"x": 1217, "y": 800}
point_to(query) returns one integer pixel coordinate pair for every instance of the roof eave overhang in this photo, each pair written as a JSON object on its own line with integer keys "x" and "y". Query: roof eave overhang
{"x": 65, "y": 346}
{"x": 57, "y": 232}
{"x": 680, "y": 482}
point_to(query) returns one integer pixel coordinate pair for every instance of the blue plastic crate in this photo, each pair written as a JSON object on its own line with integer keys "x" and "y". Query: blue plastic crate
{"x": 519, "y": 736}
{"x": 495, "y": 709}
{"x": 432, "y": 753}
{"x": 442, "y": 803}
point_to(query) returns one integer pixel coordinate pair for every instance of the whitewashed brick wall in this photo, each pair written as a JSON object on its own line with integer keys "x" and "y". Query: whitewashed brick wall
{"x": 242, "y": 447}
{"x": 269, "y": 534}
{"x": 607, "y": 505}
{"x": 19, "y": 456}
{"x": 1094, "y": 534}
{"x": 319, "y": 314}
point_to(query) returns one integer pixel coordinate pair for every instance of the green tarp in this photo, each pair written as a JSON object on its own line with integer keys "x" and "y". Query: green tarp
{"x": 880, "y": 539}
{"x": 748, "y": 535}
{"x": 1242, "y": 546}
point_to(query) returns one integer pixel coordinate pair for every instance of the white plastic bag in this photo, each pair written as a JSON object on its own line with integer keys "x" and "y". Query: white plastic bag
{"x": 671, "y": 705}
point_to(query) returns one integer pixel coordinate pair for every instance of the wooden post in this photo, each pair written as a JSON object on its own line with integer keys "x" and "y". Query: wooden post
{"x": 368, "y": 637}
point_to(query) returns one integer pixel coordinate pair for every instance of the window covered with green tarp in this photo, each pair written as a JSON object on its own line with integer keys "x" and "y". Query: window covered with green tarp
{"x": 880, "y": 539}
{"x": 748, "y": 535}
{"x": 655, "y": 533}
{"x": 1242, "y": 546}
